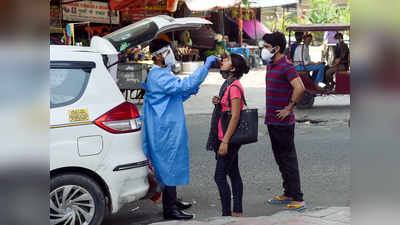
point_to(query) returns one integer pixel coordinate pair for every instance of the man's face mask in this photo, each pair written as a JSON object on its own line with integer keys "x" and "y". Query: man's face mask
{"x": 169, "y": 57}
{"x": 267, "y": 54}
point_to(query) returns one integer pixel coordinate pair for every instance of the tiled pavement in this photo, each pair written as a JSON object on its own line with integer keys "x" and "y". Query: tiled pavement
{"x": 316, "y": 216}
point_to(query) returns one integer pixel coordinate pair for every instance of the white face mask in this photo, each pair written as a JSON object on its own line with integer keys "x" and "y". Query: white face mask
{"x": 266, "y": 54}
{"x": 169, "y": 57}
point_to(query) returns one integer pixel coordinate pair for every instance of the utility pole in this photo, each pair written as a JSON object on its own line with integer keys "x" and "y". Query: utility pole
{"x": 240, "y": 23}
{"x": 298, "y": 7}
{"x": 221, "y": 21}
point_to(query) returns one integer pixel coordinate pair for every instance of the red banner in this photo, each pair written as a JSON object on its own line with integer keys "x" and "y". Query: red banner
{"x": 138, "y": 11}
{"x": 131, "y": 15}
{"x": 122, "y": 4}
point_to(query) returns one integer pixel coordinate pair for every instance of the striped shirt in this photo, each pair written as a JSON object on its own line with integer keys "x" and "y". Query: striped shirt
{"x": 279, "y": 91}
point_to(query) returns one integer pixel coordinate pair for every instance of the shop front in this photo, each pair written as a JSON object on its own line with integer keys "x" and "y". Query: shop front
{"x": 75, "y": 22}
{"x": 56, "y": 28}
{"x": 186, "y": 48}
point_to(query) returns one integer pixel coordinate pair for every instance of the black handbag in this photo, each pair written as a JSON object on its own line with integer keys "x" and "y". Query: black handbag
{"x": 247, "y": 130}
{"x": 213, "y": 142}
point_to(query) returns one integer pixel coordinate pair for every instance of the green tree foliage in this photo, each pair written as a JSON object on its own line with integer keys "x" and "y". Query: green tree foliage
{"x": 344, "y": 14}
{"x": 280, "y": 24}
{"x": 323, "y": 11}
{"x": 245, "y": 11}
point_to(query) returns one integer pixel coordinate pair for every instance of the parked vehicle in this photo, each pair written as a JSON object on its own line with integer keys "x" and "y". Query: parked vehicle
{"x": 97, "y": 164}
{"x": 96, "y": 159}
{"x": 342, "y": 79}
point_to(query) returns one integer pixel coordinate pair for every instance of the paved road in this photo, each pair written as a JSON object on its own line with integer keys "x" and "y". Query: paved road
{"x": 323, "y": 149}
{"x": 323, "y": 145}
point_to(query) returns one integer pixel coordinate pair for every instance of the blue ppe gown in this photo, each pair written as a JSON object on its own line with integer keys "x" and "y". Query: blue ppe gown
{"x": 165, "y": 137}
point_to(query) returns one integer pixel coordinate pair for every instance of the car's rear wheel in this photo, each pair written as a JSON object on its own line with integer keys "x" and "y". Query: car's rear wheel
{"x": 75, "y": 200}
{"x": 306, "y": 101}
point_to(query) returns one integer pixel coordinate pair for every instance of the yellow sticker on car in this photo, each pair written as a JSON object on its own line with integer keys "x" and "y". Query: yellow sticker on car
{"x": 78, "y": 115}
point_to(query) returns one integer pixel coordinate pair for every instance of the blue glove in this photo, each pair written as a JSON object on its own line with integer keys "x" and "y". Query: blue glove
{"x": 210, "y": 61}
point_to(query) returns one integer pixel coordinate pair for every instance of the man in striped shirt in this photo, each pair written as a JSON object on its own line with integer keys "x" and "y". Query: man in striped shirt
{"x": 283, "y": 89}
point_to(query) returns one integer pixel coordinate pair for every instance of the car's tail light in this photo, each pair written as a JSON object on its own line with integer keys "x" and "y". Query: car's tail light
{"x": 124, "y": 118}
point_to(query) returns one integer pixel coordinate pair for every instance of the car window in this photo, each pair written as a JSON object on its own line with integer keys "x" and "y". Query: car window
{"x": 133, "y": 34}
{"x": 67, "y": 85}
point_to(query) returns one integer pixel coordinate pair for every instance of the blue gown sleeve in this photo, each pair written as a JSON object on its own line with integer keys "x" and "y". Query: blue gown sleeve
{"x": 186, "y": 97}
{"x": 173, "y": 85}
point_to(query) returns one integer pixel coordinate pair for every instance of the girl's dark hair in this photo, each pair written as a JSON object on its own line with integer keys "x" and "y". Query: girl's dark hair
{"x": 240, "y": 64}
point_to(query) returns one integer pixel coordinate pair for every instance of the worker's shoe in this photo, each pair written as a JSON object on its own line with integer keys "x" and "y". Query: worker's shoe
{"x": 177, "y": 214}
{"x": 183, "y": 205}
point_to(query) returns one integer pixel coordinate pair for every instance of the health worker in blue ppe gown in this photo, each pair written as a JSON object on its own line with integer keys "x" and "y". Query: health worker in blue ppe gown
{"x": 165, "y": 137}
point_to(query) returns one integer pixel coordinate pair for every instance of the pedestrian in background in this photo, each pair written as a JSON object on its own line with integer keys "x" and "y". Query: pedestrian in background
{"x": 299, "y": 38}
{"x": 341, "y": 62}
{"x": 302, "y": 61}
{"x": 283, "y": 89}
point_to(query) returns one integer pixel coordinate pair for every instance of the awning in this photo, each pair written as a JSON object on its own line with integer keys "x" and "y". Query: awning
{"x": 270, "y": 3}
{"x": 250, "y": 26}
{"x": 193, "y": 5}
{"x": 122, "y": 4}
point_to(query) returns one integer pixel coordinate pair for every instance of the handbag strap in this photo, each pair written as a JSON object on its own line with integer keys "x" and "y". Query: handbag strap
{"x": 229, "y": 95}
{"x": 225, "y": 86}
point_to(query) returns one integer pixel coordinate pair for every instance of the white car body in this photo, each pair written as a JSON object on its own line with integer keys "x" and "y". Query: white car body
{"x": 85, "y": 147}
{"x": 94, "y": 132}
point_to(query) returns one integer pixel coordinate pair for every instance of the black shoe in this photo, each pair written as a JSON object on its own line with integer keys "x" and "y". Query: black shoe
{"x": 183, "y": 205}
{"x": 178, "y": 215}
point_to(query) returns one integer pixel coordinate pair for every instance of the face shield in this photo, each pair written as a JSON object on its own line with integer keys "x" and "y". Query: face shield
{"x": 169, "y": 58}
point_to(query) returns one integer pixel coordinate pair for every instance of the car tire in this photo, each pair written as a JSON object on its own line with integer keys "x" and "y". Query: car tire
{"x": 76, "y": 197}
{"x": 306, "y": 101}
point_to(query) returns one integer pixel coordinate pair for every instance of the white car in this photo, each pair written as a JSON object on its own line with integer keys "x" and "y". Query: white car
{"x": 96, "y": 157}
{"x": 97, "y": 164}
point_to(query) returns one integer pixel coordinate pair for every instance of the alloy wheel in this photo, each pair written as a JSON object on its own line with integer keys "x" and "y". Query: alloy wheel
{"x": 71, "y": 205}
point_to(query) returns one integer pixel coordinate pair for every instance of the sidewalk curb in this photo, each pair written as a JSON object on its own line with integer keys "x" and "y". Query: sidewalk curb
{"x": 315, "y": 216}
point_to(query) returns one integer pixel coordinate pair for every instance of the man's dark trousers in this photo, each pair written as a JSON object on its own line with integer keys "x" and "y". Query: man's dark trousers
{"x": 169, "y": 199}
{"x": 282, "y": 140}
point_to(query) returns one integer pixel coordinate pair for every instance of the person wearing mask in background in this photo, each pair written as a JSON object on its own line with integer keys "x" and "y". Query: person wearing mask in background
{"x": 165, "y": 137}
{"x": 299, "y": 37}
{"x": 302, "y": 61}
{"x": 341, "y": 62}
{"x": 283, "y": 89}
{"x": 227, "y": 155}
